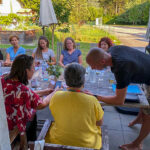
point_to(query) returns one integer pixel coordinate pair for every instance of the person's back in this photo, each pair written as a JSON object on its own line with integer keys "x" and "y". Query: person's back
{"x": 75, "y": 116}
{"x": 131, "y": 64}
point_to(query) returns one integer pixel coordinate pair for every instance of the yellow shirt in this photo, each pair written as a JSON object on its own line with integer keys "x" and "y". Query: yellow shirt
{"x": 75, "y": 116}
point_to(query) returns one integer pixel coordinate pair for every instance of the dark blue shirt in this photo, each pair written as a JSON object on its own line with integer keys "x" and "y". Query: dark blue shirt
{"x": 70, "y": 58}
{"x": 129, "y": 66}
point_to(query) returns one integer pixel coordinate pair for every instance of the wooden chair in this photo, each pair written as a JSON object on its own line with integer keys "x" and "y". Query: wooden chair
{"x": 60, "y": 48}
{"x": 48, "y": 146}
{"x": 93, "y": 45}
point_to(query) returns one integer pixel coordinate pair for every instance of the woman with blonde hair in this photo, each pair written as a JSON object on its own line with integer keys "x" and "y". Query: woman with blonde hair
{"x": 13, "y": 51}
{"x": 42, "y": 52}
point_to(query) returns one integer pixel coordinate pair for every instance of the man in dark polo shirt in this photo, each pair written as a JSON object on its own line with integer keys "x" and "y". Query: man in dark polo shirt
{"x": 129, "y": 66}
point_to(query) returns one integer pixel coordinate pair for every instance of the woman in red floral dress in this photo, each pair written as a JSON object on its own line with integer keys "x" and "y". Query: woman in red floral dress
{"x": 21, "y": 101}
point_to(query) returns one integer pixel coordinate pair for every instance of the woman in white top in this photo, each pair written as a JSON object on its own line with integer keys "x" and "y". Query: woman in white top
{"x": 42, "y": 52}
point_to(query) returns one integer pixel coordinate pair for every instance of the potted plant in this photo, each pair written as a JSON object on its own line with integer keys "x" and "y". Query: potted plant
{"x": 54, "y": 70}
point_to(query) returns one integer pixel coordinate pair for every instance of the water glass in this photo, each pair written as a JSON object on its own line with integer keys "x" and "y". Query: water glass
{"x": 92, "y": 76}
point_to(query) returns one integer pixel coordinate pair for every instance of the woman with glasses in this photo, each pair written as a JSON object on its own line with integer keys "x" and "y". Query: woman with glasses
{"x": 70, "y": 54}
{"x": 20, "y": 101}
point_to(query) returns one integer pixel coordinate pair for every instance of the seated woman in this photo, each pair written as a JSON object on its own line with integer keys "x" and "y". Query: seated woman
{"x": 105, "y": 43}
{"x": 78, "y": 116}
{"x": 13, "y": 51}
{"x": 42, "y": 52}
{"x": 20, "y": 101}
{"x": 70, "y": 54}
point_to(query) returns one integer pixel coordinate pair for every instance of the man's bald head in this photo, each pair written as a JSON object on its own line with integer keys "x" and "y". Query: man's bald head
{"x": 95, "y": 55}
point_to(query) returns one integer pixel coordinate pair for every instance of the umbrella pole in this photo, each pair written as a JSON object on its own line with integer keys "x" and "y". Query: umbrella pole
{"x": 148, "y": 47}
{"x": 53, "y": 28}
{"x": 43, "y": 28}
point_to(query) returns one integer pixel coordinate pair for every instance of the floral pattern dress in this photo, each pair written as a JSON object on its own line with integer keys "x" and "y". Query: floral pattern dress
{"x": 20, "y": 103}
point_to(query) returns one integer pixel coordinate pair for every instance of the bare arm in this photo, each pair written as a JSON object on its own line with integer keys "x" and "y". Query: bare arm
{"x": 33, "y": 55}
{"x": 46, "y": 100}
{"x": 80, "y": 59}
{"x": 100, "y": 122}
{"x": 44, "y": 92}
{"x": 61, "y": 61}
{"x": 117, "y": 99}
{"x": 7, "y": 62}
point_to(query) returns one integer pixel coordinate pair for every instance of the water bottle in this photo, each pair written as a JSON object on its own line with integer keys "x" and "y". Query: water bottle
{"x": 44, "y": 72}
{"x": 92, "y": 76}
{"x": 0, "y": 68}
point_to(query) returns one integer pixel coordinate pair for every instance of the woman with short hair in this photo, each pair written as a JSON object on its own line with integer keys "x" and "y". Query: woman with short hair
{"x": 13, "y": 51}
{"x": 105, "y": 43}
{"x": 20, "y": 101}
{"x": 77, "y": 116}
{"x": 70, "y": 54}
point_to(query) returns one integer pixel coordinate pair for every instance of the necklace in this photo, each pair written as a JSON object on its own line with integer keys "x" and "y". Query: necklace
{"x": 73, "y": 90}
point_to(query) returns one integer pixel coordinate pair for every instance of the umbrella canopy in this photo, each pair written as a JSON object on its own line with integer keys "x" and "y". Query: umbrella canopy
{"x": 148, "y": 28}
{"x": 47, "y": 14}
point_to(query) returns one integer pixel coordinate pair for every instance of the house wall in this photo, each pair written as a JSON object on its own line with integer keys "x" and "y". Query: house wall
{"x": 5, "y": 6}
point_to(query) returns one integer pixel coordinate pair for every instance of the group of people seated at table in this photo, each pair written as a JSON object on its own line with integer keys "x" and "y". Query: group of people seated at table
{"x": 42, "y": 53}
{"x": 77, "y": 114}
{"x": 68, "y": 107}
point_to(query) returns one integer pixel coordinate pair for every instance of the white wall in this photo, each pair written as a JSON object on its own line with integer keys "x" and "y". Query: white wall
{"x": 6, "y": 9}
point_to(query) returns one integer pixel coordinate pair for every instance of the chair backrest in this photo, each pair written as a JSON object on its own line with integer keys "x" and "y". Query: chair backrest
{"x": 93, "y": 45}
{"x": 49, "y": 146}
{"x": 60, "y": 48}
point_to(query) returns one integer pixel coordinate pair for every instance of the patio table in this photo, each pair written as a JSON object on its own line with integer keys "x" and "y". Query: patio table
{"x": 104, "y": 87}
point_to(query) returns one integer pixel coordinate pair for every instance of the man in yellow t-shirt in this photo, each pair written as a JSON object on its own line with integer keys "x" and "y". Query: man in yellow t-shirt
{"x": 77, "y": 116}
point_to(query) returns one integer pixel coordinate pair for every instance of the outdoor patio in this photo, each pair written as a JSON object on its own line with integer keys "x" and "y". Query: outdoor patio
{"x": 118, "y": 131}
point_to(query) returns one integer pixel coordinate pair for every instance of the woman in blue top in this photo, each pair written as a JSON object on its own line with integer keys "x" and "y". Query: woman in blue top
{"x": 70, "y": 54}
{"x": 13, "y": 51}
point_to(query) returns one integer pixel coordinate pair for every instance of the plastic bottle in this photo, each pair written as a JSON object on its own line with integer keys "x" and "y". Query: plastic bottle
{"x": 0, "y": 68}
{"x": 92, "y": 76}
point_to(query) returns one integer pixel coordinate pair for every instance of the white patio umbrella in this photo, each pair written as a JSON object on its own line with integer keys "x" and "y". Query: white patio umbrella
{"x": 48, "y": 17}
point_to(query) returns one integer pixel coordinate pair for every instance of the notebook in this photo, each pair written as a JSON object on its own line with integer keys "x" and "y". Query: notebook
{"x": 132, "y": 89}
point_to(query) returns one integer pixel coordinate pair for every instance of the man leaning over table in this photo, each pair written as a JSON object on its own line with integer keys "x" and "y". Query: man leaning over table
{"x": 129, "y": 66}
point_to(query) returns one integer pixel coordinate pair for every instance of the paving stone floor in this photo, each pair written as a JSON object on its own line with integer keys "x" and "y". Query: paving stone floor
{"x": 117, "y": 123}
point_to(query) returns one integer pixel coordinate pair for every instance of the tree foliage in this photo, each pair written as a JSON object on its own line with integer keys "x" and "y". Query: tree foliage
{"x": 80, "y": 11}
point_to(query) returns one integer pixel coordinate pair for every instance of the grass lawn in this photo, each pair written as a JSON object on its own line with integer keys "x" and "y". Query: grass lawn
{"x": 84, "y": 35}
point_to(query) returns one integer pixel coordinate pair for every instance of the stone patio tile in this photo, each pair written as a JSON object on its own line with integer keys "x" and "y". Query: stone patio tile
{"x": 130, "y": 136}
{"x": 109, "y": 108}
{"x": 115, "y": 139}
{"x": 112, "y": 120}
{"x": 125, "y": 119}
